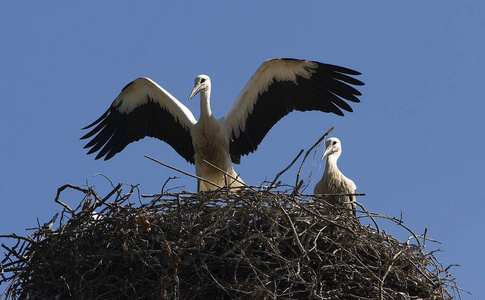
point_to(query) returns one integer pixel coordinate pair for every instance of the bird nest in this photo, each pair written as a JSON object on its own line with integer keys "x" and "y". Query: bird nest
{"x": 245, "y": 244}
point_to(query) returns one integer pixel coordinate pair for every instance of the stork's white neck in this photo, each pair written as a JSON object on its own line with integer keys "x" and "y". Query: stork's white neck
{"x": 331, "y": 165}
{"x": 205, "y": 108}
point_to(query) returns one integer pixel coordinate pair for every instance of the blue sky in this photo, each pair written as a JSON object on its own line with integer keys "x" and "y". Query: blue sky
{"x": 414, "y": 144}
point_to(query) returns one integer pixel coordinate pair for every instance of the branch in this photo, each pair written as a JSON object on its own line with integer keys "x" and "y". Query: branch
{"x": 297, "y": 183}
{"x": 284, "y": 170}
{"x": 227, "y": 174}
{"x": 62, "y": 188}
{"x": 183, "y": 172}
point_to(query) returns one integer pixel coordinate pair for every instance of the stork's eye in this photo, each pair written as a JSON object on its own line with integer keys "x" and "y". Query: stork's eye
{"x": 203, "y": 80}
{"x": 334, "y": 143}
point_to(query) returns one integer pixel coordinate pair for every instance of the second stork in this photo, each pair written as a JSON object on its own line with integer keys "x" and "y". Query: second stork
{"x": 333, "y": 181}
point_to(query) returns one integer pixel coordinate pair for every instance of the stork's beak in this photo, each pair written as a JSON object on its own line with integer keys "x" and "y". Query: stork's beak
{"x": 196, "y": 89}
{"x": 326, "y": 152}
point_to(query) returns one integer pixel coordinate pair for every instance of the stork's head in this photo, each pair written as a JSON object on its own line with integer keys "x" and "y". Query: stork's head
{"x": 202, "y": 83}
{"x": 332, "y": 147}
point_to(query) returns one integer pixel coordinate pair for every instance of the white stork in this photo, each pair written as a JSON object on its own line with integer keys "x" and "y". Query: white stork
{"x": 333, "y": 181}
{"x": 279, "y": 86}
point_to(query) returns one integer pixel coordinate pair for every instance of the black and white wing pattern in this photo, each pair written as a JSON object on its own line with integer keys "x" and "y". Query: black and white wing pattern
{"x": 277, "y": 88}
{"x": 143, "y": 108}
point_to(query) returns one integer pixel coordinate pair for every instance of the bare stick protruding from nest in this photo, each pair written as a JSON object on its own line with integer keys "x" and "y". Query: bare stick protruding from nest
{"x": 235, "y": 179}
{"x": 284, "y": 170}
{"x": 59, "y": 190}
{"x": 298, "y": 184}
{"x": 183, "y": 172}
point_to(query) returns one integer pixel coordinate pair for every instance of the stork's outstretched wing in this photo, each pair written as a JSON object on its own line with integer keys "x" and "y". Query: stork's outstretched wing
{"x": 143, "y": 108}
{"x": 280, "y": 86}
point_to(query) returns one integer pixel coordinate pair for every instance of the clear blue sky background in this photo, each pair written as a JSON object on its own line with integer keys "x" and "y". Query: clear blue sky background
{"x": 414, "y": 144}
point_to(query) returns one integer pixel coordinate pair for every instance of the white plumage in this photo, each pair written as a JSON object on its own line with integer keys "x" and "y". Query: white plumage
{"x": 333, "y": 181}
{"x": 279, "y": 86}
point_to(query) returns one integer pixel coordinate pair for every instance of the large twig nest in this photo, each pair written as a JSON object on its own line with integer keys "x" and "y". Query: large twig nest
{"x": 248, "y": 244}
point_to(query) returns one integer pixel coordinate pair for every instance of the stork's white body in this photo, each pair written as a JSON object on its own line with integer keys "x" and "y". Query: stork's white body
{"x": 211, "y": 144}
{"x": 333, "y": 181}
{"x": 279, "y": 86}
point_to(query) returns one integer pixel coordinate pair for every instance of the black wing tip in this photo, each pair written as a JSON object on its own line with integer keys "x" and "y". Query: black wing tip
{"x": 86, "y": 136}
{"x": 92, "y": 124}
{"x": 339, "y": 69}
{"x": 99, "y": 155}
{"x": 100, "y": 119}
{"x": 359, "y": 83}
{"x": 340, "y": 113}
{"x": 107, "y": 157}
